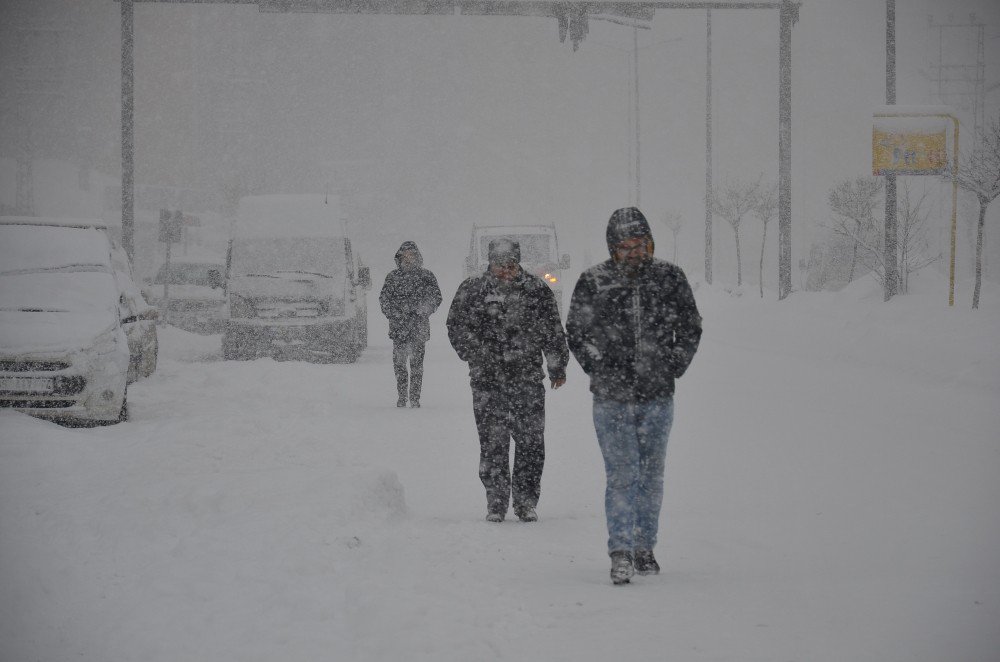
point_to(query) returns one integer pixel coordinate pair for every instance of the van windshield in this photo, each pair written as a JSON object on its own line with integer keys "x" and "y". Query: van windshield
{"x": 535, "y": 248}
{"x": 272, "y": 255}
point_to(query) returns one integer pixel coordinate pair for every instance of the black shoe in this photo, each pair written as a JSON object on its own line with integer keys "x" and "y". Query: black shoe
{"x": 621, "y": 567}
{"x": 494, "y": 517}
{"x": 645, "y": 562}
{"x": 526, "y": 514}
{"x": 401, "y": 402}
{"x": 415, "y": 404}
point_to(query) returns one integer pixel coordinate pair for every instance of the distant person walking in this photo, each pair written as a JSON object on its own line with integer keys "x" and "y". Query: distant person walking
{"x": 502, "y": 323}
{"x": 409, "y": 296}
{"x": 634, "y": 327}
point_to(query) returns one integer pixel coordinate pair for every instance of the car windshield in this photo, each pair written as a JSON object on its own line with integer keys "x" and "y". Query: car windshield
{"x": 88, "y": 291}
{"x": 535, "y": 248}
{"x": 25, "y": 248}
{"x": 274, "y": 255}
{"x": 187, "y": 273}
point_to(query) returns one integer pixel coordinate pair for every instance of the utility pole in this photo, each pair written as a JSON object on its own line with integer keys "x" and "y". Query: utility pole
{"x": 889, "y": 248}
{"x": 128, "y": 132}
{"x": 788, "y": 16}
{"x": 635, "y": 62}
{"x": 708, "y": 153}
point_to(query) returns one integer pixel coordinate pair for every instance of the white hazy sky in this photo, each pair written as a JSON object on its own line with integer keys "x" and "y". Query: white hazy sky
{"x": 445, "y": 121}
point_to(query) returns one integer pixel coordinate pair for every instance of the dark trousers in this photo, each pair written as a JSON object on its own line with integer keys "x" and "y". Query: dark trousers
{"x": 511, "y": 411}
{"x": 413, "y": 377}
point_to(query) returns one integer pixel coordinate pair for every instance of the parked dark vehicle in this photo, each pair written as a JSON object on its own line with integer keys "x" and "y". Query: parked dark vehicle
{"x": 196, "y": 292}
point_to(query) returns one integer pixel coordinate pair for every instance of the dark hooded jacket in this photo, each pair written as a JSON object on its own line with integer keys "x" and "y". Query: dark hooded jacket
{"x": 503, "y": 330}
{"x": 408, "y": 298}
{"x": 633, "y": 334}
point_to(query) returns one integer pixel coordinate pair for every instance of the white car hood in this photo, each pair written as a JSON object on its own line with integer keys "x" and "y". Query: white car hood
{"x": 51, "y": 333}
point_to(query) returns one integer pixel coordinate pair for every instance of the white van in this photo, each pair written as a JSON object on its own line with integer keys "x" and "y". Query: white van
{"x": 295, "y": 289}
{"x": 539, "y": 253}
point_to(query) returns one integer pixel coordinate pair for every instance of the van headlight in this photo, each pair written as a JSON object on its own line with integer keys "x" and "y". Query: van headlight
{"x": 334, "y": 307}
{"x": 241, "y": 306}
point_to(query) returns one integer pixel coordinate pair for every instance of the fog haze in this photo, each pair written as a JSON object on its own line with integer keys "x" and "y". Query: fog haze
{"x": 425, "y": 125}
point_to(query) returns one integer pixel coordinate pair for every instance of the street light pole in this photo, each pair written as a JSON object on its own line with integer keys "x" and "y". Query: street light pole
{"x": 635, "y": 61}
{"x": 708, "y": 153}
{"x": 128, "y": 132}
{"x": 889, "y": 250}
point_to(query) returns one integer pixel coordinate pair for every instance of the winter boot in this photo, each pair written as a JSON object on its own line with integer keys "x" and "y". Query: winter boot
{"x": 645, "y": 562}
{"x": 621, "y": 567}
{"x": 402, "y": 380}
{"x": 526, "y": 514}
{"x": 415, "y": 383}
{"x": 494, "y": 516}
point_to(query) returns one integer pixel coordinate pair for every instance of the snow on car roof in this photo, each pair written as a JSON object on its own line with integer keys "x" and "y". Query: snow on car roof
{"x": 515, "y": 229}
{"x": 56, "y": 222}
{"x": 290, "y": 215}
{"x": 48, "y": 246}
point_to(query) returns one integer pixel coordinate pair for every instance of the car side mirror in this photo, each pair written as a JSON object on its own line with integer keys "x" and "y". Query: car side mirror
{"x": 564, "y": 261}
{"x": 365, "y": 277}
{"x": 215, "y": 279}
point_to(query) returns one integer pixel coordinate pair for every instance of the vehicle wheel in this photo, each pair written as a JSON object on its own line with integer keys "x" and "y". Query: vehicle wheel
{"x": 149, "y": 361}
{"x": 123, "y": 414}
{"x": 351, "y": 353}
{"x": 231, "y": 350}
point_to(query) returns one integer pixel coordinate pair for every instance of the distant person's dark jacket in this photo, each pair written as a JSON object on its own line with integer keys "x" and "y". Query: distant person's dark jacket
{"x": 408, "y": 298}
{"x": 633, "y": 336}
{"x": 503, "y": 330}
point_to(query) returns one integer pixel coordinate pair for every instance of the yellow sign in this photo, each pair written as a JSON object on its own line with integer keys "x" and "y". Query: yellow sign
{"x": 908, "y": 152}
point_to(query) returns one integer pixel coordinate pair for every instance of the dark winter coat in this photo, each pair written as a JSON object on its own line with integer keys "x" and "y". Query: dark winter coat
{"x": 408, "y": 298}
{"x": 633, "y": 335}
{"x": 503, "y": 330}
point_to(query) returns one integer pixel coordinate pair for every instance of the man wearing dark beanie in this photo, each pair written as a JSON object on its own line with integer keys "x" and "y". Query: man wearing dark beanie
{"x": 634, "y": 327}
{"x": 502, "y": 323}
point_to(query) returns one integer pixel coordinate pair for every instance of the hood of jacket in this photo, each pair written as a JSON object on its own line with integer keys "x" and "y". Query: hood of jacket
{"x": 626, "y": 223}
{"x": 408, "y": 246}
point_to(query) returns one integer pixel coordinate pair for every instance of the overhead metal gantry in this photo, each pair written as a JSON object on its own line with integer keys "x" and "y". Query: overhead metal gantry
{"x": 572, "y": 20}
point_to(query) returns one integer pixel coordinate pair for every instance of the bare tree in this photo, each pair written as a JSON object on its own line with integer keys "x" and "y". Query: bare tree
{"x": 866, "y": 231}
{"x": 854, "y": 203}
{"x": 765, "y": 209}
{"x": 732, "y": 202}
{"x": 980, "y": 174}
{"x": 674, "y": 222}
{"x": 912, "y": 240}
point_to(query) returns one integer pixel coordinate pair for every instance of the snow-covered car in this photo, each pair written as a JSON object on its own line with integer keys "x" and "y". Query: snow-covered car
{"x": 296, "y": 289}
{"x": 195, "y": 291}
{"x": 140, "y": 319}
{"x": 64, "y": 353}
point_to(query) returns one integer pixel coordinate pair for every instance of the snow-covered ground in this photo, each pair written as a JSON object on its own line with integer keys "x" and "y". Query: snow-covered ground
{"x": 833, "y": 489}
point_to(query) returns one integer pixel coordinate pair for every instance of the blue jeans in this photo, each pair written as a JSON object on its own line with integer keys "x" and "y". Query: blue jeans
{"x": 633, "y": 440}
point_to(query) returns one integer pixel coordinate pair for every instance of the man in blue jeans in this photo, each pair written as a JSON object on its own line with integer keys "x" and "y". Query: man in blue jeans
{"x": 634, "y": 327}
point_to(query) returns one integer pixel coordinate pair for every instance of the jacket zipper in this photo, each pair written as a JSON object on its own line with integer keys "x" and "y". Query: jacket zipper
{"x": 637, "y": 319}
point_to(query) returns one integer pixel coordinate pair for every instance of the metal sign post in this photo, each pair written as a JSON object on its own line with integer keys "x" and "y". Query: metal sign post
{"x": 903, "y": 143}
